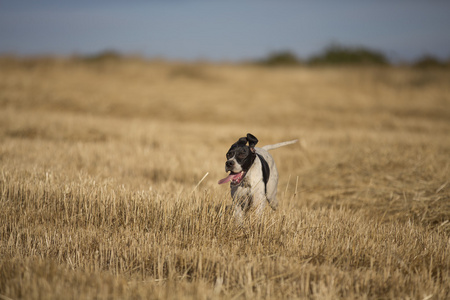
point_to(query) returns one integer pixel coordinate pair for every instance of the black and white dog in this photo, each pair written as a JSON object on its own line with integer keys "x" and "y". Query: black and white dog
{"x": 253, "y": 176}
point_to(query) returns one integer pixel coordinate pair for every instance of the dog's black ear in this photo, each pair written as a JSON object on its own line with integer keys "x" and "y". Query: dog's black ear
{"x": 242, "y": 141}
{"x": 252, "y": 140}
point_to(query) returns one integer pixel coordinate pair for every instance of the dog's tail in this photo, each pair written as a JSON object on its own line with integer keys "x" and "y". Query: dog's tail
{"x": 275, "y": 146}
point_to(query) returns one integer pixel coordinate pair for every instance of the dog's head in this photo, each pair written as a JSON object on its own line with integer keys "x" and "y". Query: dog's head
{"x": 240, "y": 158}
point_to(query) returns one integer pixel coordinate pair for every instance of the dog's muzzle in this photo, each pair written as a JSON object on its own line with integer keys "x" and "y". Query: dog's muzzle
{"x": 229, "y": 165}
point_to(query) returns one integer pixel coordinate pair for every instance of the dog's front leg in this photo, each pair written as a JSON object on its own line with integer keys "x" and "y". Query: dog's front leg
{"x": 241, "y": 206}
{"x": 259, "y": 203}
{"x": 238, "y": 214}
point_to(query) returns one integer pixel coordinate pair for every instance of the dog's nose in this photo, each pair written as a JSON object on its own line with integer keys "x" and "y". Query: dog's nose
{"x": 229, "y": 163}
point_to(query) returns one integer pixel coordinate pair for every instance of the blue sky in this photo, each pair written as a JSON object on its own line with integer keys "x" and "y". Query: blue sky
{"x": 232, "y": 30}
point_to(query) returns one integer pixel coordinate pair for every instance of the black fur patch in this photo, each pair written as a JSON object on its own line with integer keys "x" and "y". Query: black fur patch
{"x": 265, "y": 171}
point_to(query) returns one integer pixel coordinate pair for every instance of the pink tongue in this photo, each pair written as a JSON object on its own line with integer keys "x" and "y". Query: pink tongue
{"x": 228, "y": 178}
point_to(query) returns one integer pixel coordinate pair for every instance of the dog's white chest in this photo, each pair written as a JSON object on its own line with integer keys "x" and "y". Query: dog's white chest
{"x": 252, "y": 187}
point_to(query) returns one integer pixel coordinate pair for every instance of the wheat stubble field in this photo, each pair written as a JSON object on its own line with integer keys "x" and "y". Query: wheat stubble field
{"x": 102, "y": 197}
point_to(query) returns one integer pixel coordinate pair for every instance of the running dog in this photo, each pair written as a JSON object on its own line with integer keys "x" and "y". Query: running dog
{"x": 253, "y": 176}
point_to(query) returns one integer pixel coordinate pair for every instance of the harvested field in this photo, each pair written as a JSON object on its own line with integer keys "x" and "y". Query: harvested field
{"x": 102, "y": 197}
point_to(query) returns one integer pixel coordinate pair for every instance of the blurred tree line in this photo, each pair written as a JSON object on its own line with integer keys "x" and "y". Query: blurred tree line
{"x": 333, "y": 55}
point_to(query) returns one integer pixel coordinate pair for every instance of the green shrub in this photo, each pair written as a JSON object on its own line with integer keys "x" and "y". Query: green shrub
{"x": 281, "y": 58}
{"x": 104, "y": 56}
{"x": 340, "y": 55}
{"x": 428, "y": 62}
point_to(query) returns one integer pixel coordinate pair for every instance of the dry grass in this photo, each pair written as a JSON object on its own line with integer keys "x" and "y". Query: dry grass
{"x": 100, "y": 165}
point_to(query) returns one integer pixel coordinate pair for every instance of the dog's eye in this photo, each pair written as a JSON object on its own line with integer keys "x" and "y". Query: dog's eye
{"x": 242, "y": 154}
{"x": 229, "y": 155}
